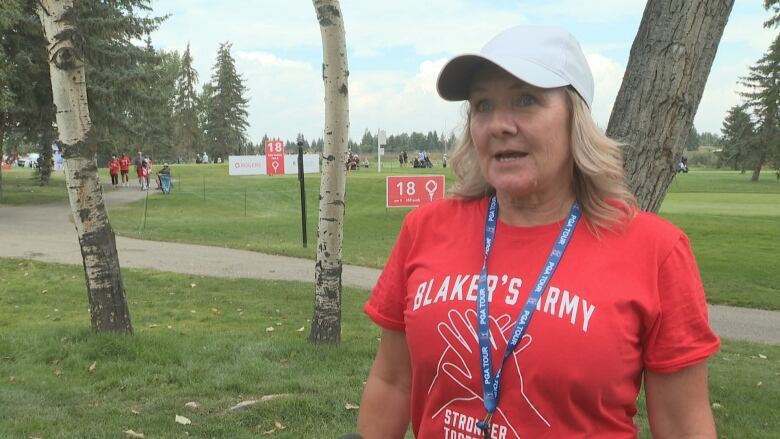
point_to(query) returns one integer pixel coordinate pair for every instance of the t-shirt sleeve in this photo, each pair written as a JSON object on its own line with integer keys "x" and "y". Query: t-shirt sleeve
{"x": 388, "y": 299}
{"x": 680, "y": 335}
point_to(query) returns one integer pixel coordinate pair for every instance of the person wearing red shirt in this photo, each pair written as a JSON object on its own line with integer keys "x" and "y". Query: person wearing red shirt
{"x": 113, "y": 169}
{"x": 124, "y": 168}
{"x": 541, "y": 267}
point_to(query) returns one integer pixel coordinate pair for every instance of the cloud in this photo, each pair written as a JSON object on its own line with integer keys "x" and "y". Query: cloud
{"x": 607, "y": 76}
{"x": 593, "y": 11}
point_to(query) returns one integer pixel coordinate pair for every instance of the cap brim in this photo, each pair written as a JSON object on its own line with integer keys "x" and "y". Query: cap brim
{"x": 455, "y": 78}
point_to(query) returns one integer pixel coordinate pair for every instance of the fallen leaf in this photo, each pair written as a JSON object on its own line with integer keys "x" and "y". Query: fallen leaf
{"x": 214, "y": 310}
{"x": 12, "y": 378}
{"x": 135, "y": 412}
{"x": 153, "y": 325}
{"x": 300, "y": 329}
{"x": 56, "y": 319}
{"x": 759, "y": 384}
{"x": 244, "y": 404}
{"x": 716, "y": 406}
{"x": 192, "y": 311}
{"x": 279, "y": 425}
{"x": 193, "y": 285}
{"x": 762, "y": 356}
{"x": 131, "y": 433}
{"x": 268, "y": 432}
{"x": 191, "y": 405}
{"x": 44, "y": 291}
{"x": 56, "y": 310}
{"x": 349, "y": 406}
{"x": 269, "y": 329}
{"x": 57, "y": 373}
{"x": 182, "y": 420}
{"x": 92, "y": 366}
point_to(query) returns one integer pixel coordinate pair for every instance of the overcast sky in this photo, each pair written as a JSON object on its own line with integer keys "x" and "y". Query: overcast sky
{"x": 396, "y": 48}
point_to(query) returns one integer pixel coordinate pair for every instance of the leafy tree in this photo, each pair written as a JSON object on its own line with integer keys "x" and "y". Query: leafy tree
{"x": 185, "y": 113}
{"x": 763, "y": 98}
{"x": 738, "y": 134}
{"x": 225, "y": 106}
{"x": 666, "y": 74}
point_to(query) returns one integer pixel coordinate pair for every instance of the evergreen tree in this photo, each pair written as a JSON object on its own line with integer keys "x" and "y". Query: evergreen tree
{"x": 738, "y": 133}
{"x": 692, "y": 142}
{"x": 118, "y": 72}
{"x": 763, "y": 98}
{"x": 225, "y": 107}
{"x": 774, "y": 6}
{"x": 152, "y": 123}
{"x": 186, "y": 124}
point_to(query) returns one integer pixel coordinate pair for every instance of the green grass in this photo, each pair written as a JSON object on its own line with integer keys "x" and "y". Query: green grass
{"x": 208, "y": 343}
{"x": 733, "y": 223}
{"x": 21, "y": 187}
{"x": 264, "y": 213}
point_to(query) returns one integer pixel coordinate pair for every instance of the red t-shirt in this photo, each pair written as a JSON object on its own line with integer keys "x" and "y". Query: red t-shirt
{"x": 124, "y": 163}
{"x": 113, "y": 167}
{"x": 616, "y": 306}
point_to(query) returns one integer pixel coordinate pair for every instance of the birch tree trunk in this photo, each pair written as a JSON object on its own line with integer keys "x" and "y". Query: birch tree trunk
{"x": 326, "y": 322}
{"x": 107, "y": 304}
{"x": 667, "y": 70}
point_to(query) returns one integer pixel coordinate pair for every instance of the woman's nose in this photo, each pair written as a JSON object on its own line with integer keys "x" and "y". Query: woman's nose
{"x": 502, "y": 122}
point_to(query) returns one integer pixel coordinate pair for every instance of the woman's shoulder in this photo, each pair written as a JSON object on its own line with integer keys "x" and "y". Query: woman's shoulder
{"x": 647, "y": 230}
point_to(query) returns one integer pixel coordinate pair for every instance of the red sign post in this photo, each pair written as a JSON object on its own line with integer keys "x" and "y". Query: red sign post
{"x": 414, "y": 190}
{"x": 274, "y": 157}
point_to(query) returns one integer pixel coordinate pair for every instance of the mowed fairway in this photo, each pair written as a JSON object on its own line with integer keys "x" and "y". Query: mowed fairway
{"x": 734, "y": 224}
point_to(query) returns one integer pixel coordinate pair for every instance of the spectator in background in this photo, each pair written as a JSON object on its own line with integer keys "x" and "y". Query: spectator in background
{"x": 113, "y": 170}
{"x": 124, "y": 168}
{"x": 140, "y": 168}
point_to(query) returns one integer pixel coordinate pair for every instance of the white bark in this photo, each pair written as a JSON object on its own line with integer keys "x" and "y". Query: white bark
{"x": 108, "y": 308}
{"x": 326, "y": 322}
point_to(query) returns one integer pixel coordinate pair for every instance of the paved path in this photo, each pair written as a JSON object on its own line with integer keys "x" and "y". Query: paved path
{"x": 44, "y": 233}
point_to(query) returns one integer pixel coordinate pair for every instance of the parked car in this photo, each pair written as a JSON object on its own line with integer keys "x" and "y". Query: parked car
{"x": 30, "y": 160}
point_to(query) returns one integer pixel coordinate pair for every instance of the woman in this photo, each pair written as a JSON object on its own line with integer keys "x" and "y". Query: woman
{"x": 540, "y": 249}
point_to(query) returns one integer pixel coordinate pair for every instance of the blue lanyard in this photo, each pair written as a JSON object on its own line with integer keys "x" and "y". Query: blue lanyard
{"x": 491, "y": 385}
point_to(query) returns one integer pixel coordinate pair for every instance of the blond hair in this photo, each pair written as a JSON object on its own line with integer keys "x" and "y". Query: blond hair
{"x": 598, "y": 176}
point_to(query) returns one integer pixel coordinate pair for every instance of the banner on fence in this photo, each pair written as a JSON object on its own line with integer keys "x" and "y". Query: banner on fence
{"x": 414, "y": 190}
{"x": 259, "y": 164}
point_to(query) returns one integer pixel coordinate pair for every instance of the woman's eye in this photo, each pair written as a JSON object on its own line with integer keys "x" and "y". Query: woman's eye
{"x": 483, "y": 106}
{"x": 526, "y": 100}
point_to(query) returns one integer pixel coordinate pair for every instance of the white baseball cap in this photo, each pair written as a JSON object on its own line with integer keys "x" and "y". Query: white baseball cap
{"x": 543, "y": 56}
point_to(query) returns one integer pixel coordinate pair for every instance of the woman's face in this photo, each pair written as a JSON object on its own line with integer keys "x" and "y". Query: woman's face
{"x": 521, "y": 134}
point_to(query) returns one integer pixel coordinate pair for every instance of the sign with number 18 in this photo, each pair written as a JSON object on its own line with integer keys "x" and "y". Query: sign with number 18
{"x": 414, "y": 190}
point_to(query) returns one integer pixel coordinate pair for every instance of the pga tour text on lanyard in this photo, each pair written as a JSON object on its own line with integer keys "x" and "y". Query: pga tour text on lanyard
{"x": 491, "y": 384}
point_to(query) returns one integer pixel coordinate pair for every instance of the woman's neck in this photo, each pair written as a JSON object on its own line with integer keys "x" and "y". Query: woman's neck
{"x": 534, "y": 210}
